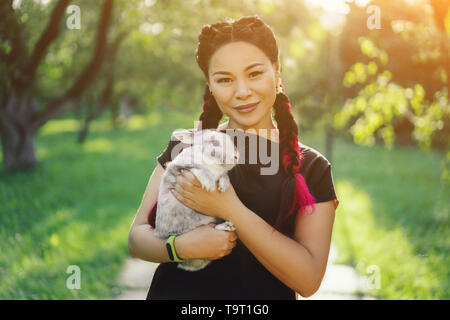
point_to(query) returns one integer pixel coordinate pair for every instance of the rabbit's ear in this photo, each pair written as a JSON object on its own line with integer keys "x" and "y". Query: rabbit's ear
{"x": 185, "y": 136}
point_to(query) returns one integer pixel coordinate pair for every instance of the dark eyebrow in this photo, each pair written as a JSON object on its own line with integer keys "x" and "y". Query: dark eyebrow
{"x": 249, "y": 67}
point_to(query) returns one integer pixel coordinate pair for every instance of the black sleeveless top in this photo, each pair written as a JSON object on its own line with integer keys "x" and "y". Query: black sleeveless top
{"x": 240, "y": 275}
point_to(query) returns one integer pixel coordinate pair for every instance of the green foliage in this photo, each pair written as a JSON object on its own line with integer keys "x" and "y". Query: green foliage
{"x": 76, "y": 207}
{"x": 399, "y": 222}
{"x": 381, "y": 102}
{"x": 156, "y": 62}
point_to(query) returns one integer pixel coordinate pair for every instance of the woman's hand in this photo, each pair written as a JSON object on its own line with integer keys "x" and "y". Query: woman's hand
{"x": 189, "y": 191}
{"x": 205, "y": 242}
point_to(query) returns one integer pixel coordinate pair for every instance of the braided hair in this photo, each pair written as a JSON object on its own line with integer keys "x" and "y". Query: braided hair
{"x": 295, "y": 196}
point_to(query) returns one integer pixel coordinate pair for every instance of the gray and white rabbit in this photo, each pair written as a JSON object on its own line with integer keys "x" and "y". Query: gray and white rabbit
{"x": 209, "y": 156}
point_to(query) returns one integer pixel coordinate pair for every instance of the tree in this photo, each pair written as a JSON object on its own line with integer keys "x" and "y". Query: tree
{"x": 107, "y": 94}
{"x": 19, "y": 118}
{"x": 397, "y": 76}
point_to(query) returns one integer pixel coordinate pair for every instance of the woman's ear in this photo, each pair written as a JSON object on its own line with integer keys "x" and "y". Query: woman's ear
{"x": 277, "y": 68}
{"x": 209, "y": 87}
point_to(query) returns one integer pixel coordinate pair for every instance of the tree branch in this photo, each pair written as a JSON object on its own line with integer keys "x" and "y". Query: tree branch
{"x": 12, "y": 31}
{"x": 109, "y": 75}
{"x": 108, "y": 90}
{"x": 50, "y": 33}
{"x": 87, "y": 75}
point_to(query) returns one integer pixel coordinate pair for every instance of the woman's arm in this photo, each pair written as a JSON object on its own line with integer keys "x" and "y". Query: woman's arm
{"x": 204, "y": 242}
{"x": 142, "y": 243}
{"x": 300, "y": 263}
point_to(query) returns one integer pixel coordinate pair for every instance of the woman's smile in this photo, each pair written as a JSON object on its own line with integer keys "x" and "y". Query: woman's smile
{"x": 247, "y": 109}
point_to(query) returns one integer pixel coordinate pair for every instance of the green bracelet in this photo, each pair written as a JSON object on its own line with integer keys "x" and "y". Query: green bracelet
{"x": 171, "y": 249}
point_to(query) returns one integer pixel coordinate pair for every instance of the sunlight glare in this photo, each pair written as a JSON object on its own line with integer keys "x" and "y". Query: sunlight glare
{"x": 335, "y": 6}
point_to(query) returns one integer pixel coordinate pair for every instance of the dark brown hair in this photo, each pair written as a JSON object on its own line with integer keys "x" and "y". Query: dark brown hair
{"x": 295, "y": 194}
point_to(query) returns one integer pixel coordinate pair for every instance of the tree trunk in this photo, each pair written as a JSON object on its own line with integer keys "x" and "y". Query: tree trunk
{"x": 18, "y": 139}
{"x": 19, "y": 151}
{"x": 106, "y": 97}
{"x": 18, "y": 142}
{"x": 19, "y": 123}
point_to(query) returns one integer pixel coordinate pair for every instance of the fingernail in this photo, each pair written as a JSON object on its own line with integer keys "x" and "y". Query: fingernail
{"x": 181, "y": 170}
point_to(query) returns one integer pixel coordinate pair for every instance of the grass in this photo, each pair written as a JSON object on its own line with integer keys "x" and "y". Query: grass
{"x": 394, "y": 215}
{"x": 76, "y": 206}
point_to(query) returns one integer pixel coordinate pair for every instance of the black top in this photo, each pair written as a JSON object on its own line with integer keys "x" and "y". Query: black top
{"x": 240, "y": 275}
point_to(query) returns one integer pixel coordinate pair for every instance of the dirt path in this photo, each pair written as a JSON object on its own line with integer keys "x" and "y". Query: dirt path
{"x": 340, "y": 282}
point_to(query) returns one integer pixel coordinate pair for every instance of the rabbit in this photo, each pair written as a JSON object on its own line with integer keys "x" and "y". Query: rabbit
{"x": 209, "y": 156}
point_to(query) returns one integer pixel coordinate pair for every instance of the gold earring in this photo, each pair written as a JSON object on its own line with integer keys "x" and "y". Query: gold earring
{"x": 279, "y": 88}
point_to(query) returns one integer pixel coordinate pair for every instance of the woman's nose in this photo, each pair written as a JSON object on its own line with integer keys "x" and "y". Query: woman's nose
{"x": 242, "y": 90}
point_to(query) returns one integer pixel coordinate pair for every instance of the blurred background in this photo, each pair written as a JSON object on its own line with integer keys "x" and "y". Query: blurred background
{"x": 90, "y": 92}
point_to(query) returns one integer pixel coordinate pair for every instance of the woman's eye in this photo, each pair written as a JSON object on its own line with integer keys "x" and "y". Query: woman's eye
{"x": 256, "y": 72}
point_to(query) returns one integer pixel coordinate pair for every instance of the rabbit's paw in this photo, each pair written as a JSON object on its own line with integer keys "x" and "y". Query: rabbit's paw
{"x": 205, "y": 178}
{"x": 225, "y": 226}
{"x": 224, "y": 183}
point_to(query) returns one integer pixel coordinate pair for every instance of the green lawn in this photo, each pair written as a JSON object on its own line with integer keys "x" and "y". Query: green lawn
{"x": 394, "y": 216}
{"x": 76, "y": 207}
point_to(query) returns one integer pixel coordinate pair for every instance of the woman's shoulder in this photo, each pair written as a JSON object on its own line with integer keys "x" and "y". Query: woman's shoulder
{"x": 317, "y": 171}
{"x": 314, "y": 162}
{"x": 311, "y": 153}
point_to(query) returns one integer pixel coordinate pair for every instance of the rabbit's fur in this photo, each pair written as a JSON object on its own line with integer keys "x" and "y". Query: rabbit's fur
{"x": 209, "y": 157}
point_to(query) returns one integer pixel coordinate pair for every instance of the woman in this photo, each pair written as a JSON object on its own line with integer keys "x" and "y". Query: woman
{"x": 241, "y": 66}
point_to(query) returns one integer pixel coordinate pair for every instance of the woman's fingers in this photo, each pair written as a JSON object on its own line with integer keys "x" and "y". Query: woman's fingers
{"x": 206, "y": 242}
{"x": 232, "y": 236}
{"x": 183, "y": 181}
{"x": 184, "y": 185}
{"x": 183, "y": 197}
{"x": 226, "y": 253}
{"x": 189, "y": 176}
{"x": 182, "y": 188}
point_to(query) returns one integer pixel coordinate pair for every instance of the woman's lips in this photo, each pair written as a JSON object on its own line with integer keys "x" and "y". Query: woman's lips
{"x": 248, "y": 109}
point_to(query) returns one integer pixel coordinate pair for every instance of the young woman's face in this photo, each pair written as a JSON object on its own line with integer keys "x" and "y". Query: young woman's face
{"x": 239, "y": 74}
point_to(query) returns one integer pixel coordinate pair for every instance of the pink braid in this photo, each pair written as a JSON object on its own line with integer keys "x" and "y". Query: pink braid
{"x": 302, "y": 197}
